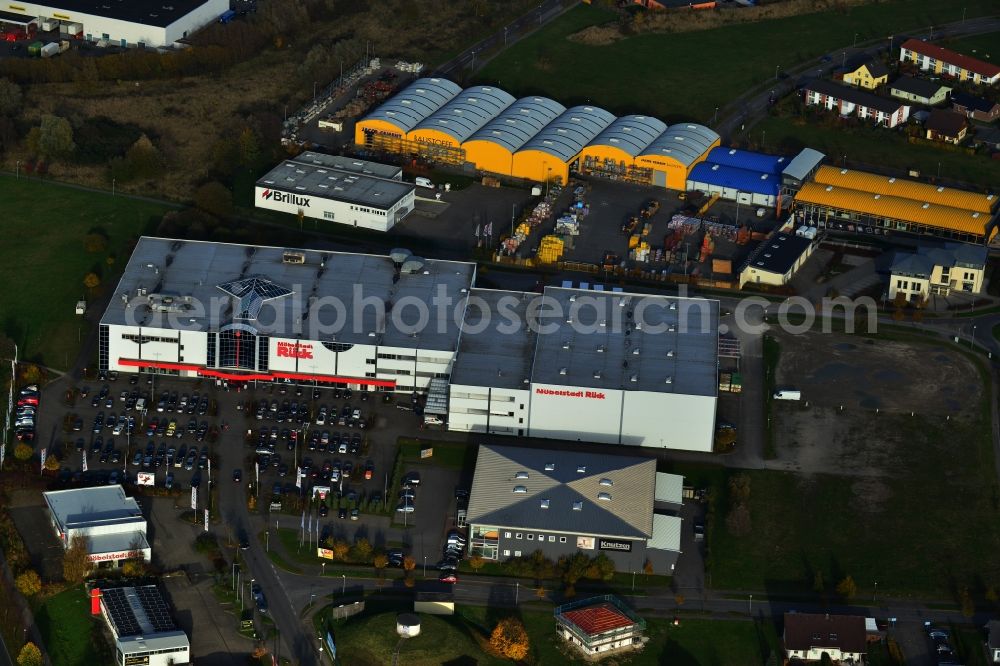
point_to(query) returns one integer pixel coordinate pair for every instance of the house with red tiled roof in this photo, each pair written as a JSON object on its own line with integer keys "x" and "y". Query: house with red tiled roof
{"x": 937, "y": 59}
{"x": 808, "y": 636}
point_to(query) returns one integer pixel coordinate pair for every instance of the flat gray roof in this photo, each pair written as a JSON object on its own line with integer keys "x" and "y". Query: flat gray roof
{"x": 349, "y": 164}
{"x": 86, "y": 507}
{"x": 803, "y": 164}
{"x": 637, "y": 342}
{"x": 510, "y": 484}
{"x": 159, "y": 641}
{"x": 112, "y": 543}
{"x": 494, "y": 355}
{"x": 193, "y": 271}
{"x": 328, "y": 183}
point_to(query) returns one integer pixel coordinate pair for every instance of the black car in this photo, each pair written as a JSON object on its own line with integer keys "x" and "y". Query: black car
{"x": 323, "y": 510}
{"x": 342, "y": 514}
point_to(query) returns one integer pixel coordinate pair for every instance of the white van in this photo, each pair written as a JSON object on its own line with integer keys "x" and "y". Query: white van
{"x": 787, "y": 394}
{"x": 420, "y": 181}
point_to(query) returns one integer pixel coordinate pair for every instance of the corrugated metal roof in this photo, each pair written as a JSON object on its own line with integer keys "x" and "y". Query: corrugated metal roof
{"x": 893, "y": 207}
{"x": 666, "y": 533}
{"x": 743, "y": 180}
{"x": 519, "y": 122}
{"x": 629, "y": 513}
{"x": 568, "y": 134}
{"x": 803, "y": 163}
{"x": 685, "y": 142}
{"x": 631, "y": 134}
{"x": 906, "y": 189}
{"x": 467, "y": 112}
{"x": 746, "y": 159}
{"x": 417, "y": 101}
{"x": 669, "y": 488}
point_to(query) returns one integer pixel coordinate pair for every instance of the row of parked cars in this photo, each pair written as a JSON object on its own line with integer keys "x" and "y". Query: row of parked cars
{"x": 27, "y": 412}
{"x": 454, "y": 549}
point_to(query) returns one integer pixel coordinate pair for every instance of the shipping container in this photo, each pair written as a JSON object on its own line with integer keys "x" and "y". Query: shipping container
{"x": 227, "y": 16}
{"x": 35, "y": 48}
{"x": 49, "y": 50}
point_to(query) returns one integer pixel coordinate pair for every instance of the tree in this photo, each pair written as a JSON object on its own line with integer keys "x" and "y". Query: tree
{"x": 91, "y": 281}
{"x": 95, "y": 242}
{"x": 476, "y": 562}
{"x": 214, "y": 198}
{"x": 739, "y": 489}
{"x": 76, "y": 564}
{"x": 134, "y": 568}
{"x": 28, "y": 583}
{"x": 249, "y": 148}
{"x": 991, "y": 593}
{"x": 10, "y": 98}
{"x": 362, "y": 551}
{"x": 540, "y": 591}
{"x": 380, "y": 562}
{"x": 53, "y": 138}
{"x": 847, "y": 588}
{"x": 918, "y": 309}
{"x": 23, "y": 452}
{"x": 143, "y": 160}
{"x": 409, "y": 564}
{"x": 509, "y": 639}
{"x": 968, "y": 605}
{"x": 52, "y": 462}
{"x": 819, "y": 585}
{"x": 340, "y": 550}
{"x": 679, "y": 599}
{"x": 647, "y": 568}
{"x": 29, "y": 655}
{"x": 408, "y": 581}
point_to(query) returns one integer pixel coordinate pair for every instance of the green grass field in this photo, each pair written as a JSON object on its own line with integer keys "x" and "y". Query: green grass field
{"x": 67, "y": 628}
{"x": 936, "y": 503}
{"x": 985, "y": 47}
{"x": 686, "y": 75}
{"x": 43, "y": 260}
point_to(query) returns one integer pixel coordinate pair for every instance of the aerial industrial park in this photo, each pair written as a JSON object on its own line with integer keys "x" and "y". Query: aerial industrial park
{"x": 623, "y": 332}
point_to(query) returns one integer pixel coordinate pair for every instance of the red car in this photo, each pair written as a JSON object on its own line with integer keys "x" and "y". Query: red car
{"x": 448, "y": 577}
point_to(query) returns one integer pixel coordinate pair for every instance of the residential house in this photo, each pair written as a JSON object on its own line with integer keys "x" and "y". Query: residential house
{"x": 974, "y": 107}
{"x": 808, "y": 636}
{"x": 920, "y": 91}
{"x": 938, "y": 270}
{"x": 868, "y": 75}
{"x": 986, "y": 136}
{"x": 993, "y": 641}
{"x": 933, "y": 58}
{"x": 600, "y": 626}
{"x": 946, "y": 126}
{"x": 853, "y": 101}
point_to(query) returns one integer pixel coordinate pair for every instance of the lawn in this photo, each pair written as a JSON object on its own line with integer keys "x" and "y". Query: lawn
{"x": 874, "y": 148}
{"x": 936, "y": 473}
{"x": 687, "y": 75}
{"x": 67, "y": 628}
{"x": 43, "y": 260}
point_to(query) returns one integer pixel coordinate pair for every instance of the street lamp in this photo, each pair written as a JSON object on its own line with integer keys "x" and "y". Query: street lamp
{"x": 855, "y": 39}
{"x": 343, "y": 588}
{"x": 972, "y": 344}
{"x": 314, "y": 92}
{"x": 776, "y": 68}
{"x": 425, "y": 566}
{"x": 323, "y": 565}
{"x": 715, "y": 117}
{"x": 517, "y": 591}
{"x": 750, "y": 607}
{"x": 113, "y": 182}
{"x": 17, "y": 169}
{"x": 875, "y": 592}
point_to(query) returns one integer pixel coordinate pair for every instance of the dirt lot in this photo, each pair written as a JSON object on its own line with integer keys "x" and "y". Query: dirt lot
{"x": 852, "y": 389}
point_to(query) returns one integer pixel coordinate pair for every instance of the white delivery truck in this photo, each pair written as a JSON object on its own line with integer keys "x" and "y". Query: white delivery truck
{"x": 420, "y": 181}
{"x": 787, "y": 394}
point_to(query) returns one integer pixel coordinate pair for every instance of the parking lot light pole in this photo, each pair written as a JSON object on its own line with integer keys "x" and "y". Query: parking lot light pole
{"x": 750, "y": 606}
{"x": 425, "y": 566}
{"x": 517, "y": 590}
{"x": 323, "y": 565}
{"x": 875, "y": 592}
{"x": 343, "y": 588}
{"x": 17, "y": 169}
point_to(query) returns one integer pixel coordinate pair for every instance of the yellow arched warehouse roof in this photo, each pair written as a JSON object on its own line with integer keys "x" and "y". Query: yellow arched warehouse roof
{"x": 519, "y": 122}
{"x": 568, "y": 134}
{"x": 467, "y": 112}
{"x": 630, "y": 134}
{"x": 907, "y": 189}
{"x": 685, "y": 142}
{"x": 895, "y": 207}
{"x": 416, "y": 102}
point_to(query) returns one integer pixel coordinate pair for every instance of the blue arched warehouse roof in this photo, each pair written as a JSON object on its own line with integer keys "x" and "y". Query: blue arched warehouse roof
{"x": 631, "y": 134}
{"x": 568, "y": 134}
{"x": 468, "y": 111}
{"x": 521, "y": 121}
{"x": 685, "y": 142}
{"x": 417, "y": 101}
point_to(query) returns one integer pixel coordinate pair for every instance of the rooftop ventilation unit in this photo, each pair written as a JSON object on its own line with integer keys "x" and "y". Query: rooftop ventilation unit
{"x": 668, "y": 380}
{"x": 581, "y": 469}
{"x": 604, "y": 497}
{"x": 607, "y": 482}
{"x": 521, "y": 475}
{"x": 293, "y": 257}
{"x": 544, "y": 503}
{"x": 562, "y": 371}
{"x": 549, "y": 467}
{"x": 520, "y": 490}
{"x": 412, "y": 265}
{"x": 578, "y": 506}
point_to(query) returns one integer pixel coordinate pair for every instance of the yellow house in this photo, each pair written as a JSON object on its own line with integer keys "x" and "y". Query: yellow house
{"x": 939, "y": 270}
{"x": 869, "y": 75}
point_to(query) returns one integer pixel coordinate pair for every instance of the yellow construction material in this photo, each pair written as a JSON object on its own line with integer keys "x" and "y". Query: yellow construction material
{"x": 633, "y": 241}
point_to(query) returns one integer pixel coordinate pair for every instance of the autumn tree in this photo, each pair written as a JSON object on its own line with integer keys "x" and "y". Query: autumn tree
{"x": 476, "y": 561}
{"x": 214, "y": 198}
{"x": 52, "y": 462}
{"x": 510, "y": 640}
{"x": 76, "y": 564}
{"x": 847, "y": 588}
{"x": 28, "y": 583}
{"x": 380, "y": 562}
{"x": 95, "y": 241}
{"x": 143, "y": 159}
{"x": 340, "y": 549}
{"x": 409, "y": 564}
{"x": 647, "y": 568}
{"x": 134, "y": 568}
{"x": 91, "y": 281}
{"x": 10, "y": 98}
{"x": 52, "y": 139}
{"x": 23, "y": 452}
{"x": 29, "y": 655}
{"x": 362, "y": 550}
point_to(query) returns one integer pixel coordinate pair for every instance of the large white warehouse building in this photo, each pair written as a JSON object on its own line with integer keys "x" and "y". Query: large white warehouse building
{"x": 337, "y": 189}
{"x": 572, "y": 364}
{"x": 129, "y": 23}
{"x": 111, "y": 522}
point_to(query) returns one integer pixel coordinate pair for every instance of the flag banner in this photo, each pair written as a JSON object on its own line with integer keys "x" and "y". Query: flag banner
{"x": 194, "y": 498}
{"x": 145, "y": 479}
{"x": 206, "y": 520}
{"x": 43, "y": 452}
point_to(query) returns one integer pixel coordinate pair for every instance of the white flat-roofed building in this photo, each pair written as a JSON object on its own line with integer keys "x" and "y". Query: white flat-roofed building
{"x": 246, "y": 313}
{"x": 144, "y": 630}
{"x": 112, "y": 523}
{"x": 337, "y": 189}
{"x": 608, "y": 367}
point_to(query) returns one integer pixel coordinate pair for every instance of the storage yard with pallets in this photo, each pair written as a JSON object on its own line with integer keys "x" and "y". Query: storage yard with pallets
{"x": 611, "y": 225}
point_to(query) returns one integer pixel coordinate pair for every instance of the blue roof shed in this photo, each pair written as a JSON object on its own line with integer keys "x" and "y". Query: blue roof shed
{"x": 742, "y": 180}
